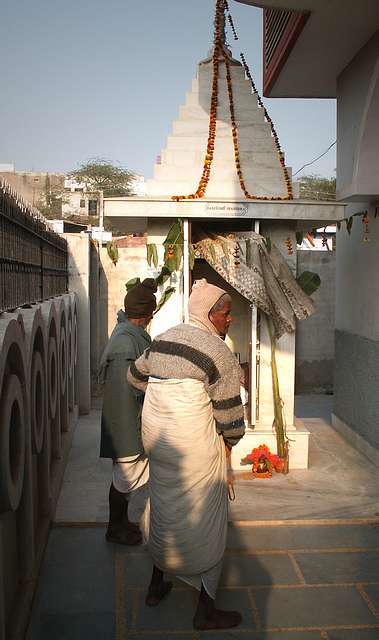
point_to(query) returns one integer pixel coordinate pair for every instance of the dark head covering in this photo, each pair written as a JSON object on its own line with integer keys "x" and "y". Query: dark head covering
{"x": 140, "y": 301}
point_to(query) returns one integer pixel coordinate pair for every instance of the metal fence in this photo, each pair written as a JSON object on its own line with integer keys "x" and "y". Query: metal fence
{"x": 33, "y": 258}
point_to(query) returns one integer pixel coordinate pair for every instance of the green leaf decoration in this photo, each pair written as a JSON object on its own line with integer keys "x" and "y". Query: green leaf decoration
{"x": 225, "y": 249}
{"x": 163, "y": 276}
{"x": 112, "y": 251}
{"x": 349, "y": 224}
{"x": 178, "y": 253}
{"x": 166, "y": 295}
{"x": 175, "y": 234}
{"x": 299, "y": 237}
{"x": 267, "y": 242}
{"x": 152, "y": 254}
{"x": 212, "y": 252}
{"x": 191, "y": 255}
{"x": 309, "y": 282}
{"x": 338, "y": 225}
{"x": 173, "y": 256}
{"x": 248, "y": 253}
{"x": 132, "y": 283}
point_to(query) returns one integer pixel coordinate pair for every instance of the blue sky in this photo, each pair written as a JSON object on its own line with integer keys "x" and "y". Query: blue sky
{"x": 105, "y": 79}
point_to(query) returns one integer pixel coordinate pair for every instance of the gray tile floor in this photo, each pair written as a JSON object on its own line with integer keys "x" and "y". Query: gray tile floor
{"x": 290, "y": 590}
{"x": 302, "y": 560}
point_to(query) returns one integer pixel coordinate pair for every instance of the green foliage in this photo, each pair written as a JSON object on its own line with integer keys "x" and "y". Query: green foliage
{"x": 299, "y": 237}
{"x": 152, "y": 255}
{"x": 166, "y": 295}
{"x": 315, "y": 187}
{"x": 191, "y": 255}
{"x": 173, "y": 246}
{"x": 309, "y": 282}
{"x": 112, "y": 251}
{"x": 163, "y": 276}
{"x": 267, "y": 242}
{"x": 132, "y": 283}
{"x": 225, "y": 248}
{"x": 212, "y": 252}
{"x": 173, "y": 257}
{"x": 175, "y": 234}
{"x": 52, "y": 198}
{"x": 99, "y": 174}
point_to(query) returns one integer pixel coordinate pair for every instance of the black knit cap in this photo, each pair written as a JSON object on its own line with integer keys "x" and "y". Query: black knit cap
{"x": 140, "y": 301}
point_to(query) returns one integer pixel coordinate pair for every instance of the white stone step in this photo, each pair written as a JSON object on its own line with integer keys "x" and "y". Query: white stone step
{"x": 243, "y": 112}
{"x": 215, "y": 188}
{"x": 180, "y": 142}
{"x": 223, "y": 171}
{"x": 181, "y": 157}
{"x": 199, "y": 127}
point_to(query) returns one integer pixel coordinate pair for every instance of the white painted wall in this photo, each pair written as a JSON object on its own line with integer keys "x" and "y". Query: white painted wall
{"x": 358, "y": 124}
{"x": 357, "y": 281}
{"x": 79, "y": 274}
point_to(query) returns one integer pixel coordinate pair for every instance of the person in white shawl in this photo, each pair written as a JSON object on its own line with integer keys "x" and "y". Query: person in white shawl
{"x": 192, "y": 416}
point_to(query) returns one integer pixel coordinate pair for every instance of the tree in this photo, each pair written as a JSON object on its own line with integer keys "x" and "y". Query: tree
{"x": 52, "y": 197}
{"x": 315, "y": 187}
{"x": 98, "y": 174}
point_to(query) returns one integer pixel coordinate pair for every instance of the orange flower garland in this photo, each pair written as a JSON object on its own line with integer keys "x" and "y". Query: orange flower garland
{"x": 289, "y": 246}
{"x": 366, "y": 237}
{"x": 274, "y": 134}
{"x": 219, "y": 50}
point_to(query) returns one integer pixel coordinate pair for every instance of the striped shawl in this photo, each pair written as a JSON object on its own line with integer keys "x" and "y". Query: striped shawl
{"x": 186, "y": 351}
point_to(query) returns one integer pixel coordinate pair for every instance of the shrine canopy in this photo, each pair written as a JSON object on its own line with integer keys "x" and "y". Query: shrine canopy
{"x": 257, "y": 270}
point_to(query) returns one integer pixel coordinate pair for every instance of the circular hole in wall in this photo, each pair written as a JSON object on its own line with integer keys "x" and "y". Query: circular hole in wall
{"x": 15, "y": 441}
{"x": 38, "y": 399}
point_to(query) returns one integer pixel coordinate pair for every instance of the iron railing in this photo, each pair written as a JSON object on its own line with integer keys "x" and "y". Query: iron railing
{"x": 33, "y": 258}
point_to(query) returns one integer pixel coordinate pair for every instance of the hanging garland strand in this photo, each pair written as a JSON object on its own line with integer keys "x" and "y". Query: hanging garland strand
{"x": 217, "y": 48}
{"x": 230, "y": 20}
{"x": 218, "y": 52}
{"x": 270, "y": 122}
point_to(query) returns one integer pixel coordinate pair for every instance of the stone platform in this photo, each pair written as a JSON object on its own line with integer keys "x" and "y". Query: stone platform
{"x": 302, "y": 560}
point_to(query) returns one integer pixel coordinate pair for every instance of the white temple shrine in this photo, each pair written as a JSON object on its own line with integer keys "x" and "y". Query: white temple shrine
{"x": 224, "y": 208}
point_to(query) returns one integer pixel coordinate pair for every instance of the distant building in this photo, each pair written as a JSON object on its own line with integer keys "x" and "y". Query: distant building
{"x": 40, "y": 188}
{"x": 78, "y": 200}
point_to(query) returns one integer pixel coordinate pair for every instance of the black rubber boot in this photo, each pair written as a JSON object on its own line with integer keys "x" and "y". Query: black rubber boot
{"x": 207, "y": 617}
{"x": 118, "y": 530}
{"x": 158, "y": 588}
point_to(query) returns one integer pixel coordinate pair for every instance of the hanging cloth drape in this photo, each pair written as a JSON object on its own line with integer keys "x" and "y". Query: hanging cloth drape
{"x": 262, "y": 276}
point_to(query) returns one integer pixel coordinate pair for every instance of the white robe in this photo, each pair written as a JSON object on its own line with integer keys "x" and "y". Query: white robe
{"x": 188, "y": 484}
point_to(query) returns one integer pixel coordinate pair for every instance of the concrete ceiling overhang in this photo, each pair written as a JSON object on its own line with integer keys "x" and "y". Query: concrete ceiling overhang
{"x": 333, "y": 34}
{"x": 221, "y": 208}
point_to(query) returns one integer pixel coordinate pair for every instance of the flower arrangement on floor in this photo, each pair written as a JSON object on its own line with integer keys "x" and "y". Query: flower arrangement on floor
{"x": 263, "y": 462}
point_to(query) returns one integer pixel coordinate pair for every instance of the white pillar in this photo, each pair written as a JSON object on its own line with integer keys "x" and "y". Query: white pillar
{"x": 186, "y": 269}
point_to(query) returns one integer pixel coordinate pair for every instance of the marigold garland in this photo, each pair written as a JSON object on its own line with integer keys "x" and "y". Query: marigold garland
{"x": 366, "y": 232}
{"x": 218, "y": 51}
{"x": 289, "y": 246}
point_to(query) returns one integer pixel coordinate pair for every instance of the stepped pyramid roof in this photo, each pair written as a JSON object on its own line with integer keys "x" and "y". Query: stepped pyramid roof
{"x": 182, "y": 159}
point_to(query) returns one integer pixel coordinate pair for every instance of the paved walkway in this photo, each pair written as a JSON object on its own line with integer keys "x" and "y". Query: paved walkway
{"x": 298, "y": 566}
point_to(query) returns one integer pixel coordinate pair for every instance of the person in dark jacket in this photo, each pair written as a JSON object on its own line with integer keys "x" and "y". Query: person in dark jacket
{"x": 121, "y": 415}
